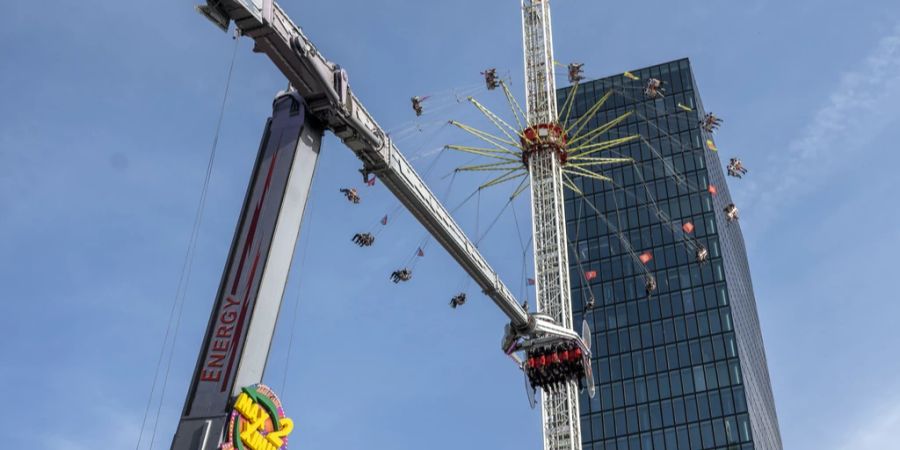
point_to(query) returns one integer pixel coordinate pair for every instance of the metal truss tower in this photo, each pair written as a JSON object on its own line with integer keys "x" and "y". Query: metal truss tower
{"x": 544, "y": 152}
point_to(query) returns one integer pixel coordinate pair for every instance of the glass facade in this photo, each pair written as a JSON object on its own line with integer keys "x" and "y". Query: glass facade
{"x": 683, "y": 368}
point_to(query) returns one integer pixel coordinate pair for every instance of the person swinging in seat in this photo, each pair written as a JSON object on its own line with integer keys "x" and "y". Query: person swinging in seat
{"x": 403, "y": 274}
{"x": 654, "y": 89}
{"x": 363, "y": 239}
{"x": 351, "y": 195}
{"x": 458, "y": 300}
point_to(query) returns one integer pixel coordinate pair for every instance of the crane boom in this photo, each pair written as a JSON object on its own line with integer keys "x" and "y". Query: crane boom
{"x": 324, "y": 86}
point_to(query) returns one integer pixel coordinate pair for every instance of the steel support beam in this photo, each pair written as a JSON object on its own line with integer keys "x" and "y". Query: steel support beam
{"x": 255, "y": 275}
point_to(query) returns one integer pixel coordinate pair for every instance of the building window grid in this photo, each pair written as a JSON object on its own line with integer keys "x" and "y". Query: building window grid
{"x": 717, "y": 431}
{"x": 726, "y": 432}
{"x": 622, "y": 282}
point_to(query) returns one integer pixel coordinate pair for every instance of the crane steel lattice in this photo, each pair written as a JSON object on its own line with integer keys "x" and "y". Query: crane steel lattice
{"x": 544, "y": 151}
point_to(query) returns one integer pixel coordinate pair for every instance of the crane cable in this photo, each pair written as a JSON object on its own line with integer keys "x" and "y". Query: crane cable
{"x": 184, "y": 278}
{"x": 652, "y": 206}
{"x": 667, "y": 166}
{"x": 622, "y": 238}
{"x": 423, "y": 243}
{"x": 615, "y": 229}
{"x": 477, "y": 217}
{"x": 583, "y": 282}
{"x": 657, "y": 112}
{"x": 663, "y": 218}
{"x": 493, "y": 222}
{"x": 680, "y": 180}
{"x": 389, "y": 217}
{"x": 524, "y": 253}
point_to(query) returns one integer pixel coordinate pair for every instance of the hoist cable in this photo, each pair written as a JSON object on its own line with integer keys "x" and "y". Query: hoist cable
{"x": 187, "y": 266}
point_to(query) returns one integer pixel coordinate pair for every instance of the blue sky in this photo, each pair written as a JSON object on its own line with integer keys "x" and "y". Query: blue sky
{"x": 108, "y": 110}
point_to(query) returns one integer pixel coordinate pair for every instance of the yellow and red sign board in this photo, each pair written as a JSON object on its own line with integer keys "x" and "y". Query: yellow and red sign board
{"x": 258, "y": 421}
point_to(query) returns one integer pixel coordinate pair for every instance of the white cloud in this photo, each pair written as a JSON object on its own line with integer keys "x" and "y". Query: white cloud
{"x": 864, "y": 103}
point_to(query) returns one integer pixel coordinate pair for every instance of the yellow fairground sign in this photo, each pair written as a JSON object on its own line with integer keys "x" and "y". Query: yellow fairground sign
{"x": 258, "y": 421}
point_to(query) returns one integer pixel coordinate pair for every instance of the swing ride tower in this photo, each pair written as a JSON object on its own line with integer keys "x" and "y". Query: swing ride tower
{"x": 544, "y": 153}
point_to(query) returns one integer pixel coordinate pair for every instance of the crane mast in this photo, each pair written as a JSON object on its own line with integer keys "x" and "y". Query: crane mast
{"x": 544, "y": 145}
{"x": 540, "y": 84}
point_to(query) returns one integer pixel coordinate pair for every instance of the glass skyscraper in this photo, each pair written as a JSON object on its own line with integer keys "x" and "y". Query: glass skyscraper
{"x": 683, "y": 368}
